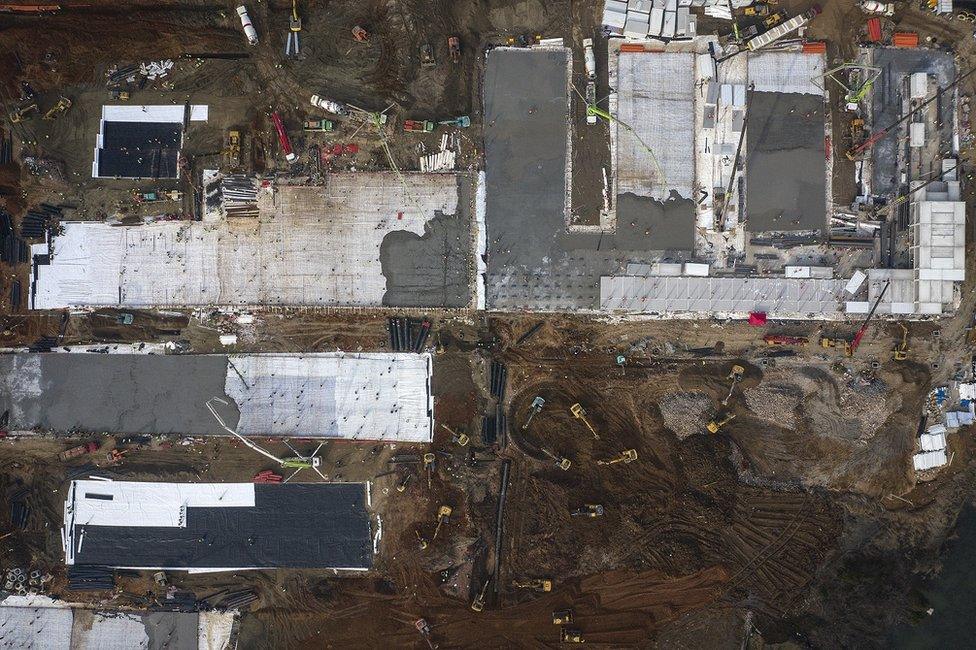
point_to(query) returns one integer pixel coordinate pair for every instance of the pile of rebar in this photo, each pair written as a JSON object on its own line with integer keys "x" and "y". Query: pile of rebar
{"x": 90, "y": 578}
{"x": 494, "y": 428}
{"x": 224, "y": 601}
{"x": 239, "y": 196}
{"x": 20, "y": 509}
{"x": 498, "y": 377}
{"x": 13, "y": 249}
{"x": 6, "y": 148}
{"x": 37, "y": 220}
{"x": 407, "y": 335}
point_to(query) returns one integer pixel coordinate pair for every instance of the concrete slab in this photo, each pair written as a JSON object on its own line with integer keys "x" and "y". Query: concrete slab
{"x": 361, "y": 240}
{"x": 888, "y": 99}
{"x": 786, "y": 162}
{"x": 368, "y": 396}
{"x": 534, "y": 261}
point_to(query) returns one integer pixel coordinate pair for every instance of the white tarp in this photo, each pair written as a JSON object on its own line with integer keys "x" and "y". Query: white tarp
{"x": 786, "y": 72}
{"x": 366, "y": 396}
{"x": 929, "y": 459}
{"x": 655, "y": 97}
{"x": 318, "y": 246}
{"x": 165, "y": 114}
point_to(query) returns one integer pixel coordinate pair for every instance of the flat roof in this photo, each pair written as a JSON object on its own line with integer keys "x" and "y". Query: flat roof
{"x": 356, "y": 396}
{"x": 361, "y": 240}
{"x": 217, "y": 526}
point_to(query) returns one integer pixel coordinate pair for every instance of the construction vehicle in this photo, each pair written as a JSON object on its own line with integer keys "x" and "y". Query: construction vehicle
{"x": 719, "y": 421}
{"x": 418, "y": 126}
{"x": 478, "y": 604}
{"x": 590, "y": 98}
{"x": 454, "y": 48}
{"x": 121, "y": 95}
{"x": 570, "y": 635}
{"x": 157, "y": 196}
{"x": 283, "y": 138}
{"x": 562, "y": 617}
{"x": 115, "y": 456}
{"x": 580, "y": 414}
{"x": 736, "y": 376}
{"x": 430, "y": 465}
{"x": 758, "y": 9}
{"x": 537, "y": 404}
{"x": 423, "y": 542}
{"x": 21, "y": 112}
{"x": 232, "y": 150}
{"x": 443, "y": 518}
{"x": 460, "y": 439}
{"x": 329, "y": 105}
{"x": 424, "y": 628}
{"x": 249, "y": 32}
{"x": 360, "y": 34}
{"x": 901, "y": 352}
{"x": 402, "y": 485}
{"x": 781, "y": 339}
{"x": 589, "y": 59}
{"x": 318, "y": 126}
{"x": 124, "y": 319}
{"x": 773, "y": 20}
{"x": 562, "y": 462}
{"x": 591, "y": 510}
{"x": 294, "y": 29}
{"x": 536, "y": 584}
{"x": 873, "y": 7}
{"x": 856, "y": 134}
{"x": 462, "y": 122}
{"x": 827, "y": 342}
{"x": 867, "y": 321}
{"x": 80, "y": 450}
{"x": 160, "y": 578}
{"x": 626, "y": 456}
{"x": 427, "y": 59}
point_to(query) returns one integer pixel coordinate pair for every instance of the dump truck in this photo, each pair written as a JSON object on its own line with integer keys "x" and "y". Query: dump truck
{"x": 319, "y": 126}
{"x": 80, "y": 450}
{"x": 329, "y": 105}
{"x": 418, "y": 126}
{"x": 589, "y": 59}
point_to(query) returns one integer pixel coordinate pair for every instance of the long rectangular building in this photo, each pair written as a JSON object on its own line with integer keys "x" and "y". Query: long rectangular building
{"x": 362, "y": 396}
{"x": 207, "y": 527}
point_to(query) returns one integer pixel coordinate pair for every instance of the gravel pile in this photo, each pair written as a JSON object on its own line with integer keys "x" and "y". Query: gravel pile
{"x": 685, "y": 413}
{"x": 775, "y": 402}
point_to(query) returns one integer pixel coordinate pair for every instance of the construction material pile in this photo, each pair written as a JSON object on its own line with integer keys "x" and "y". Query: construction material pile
{"x": 685, "y": 413}
{"x": 155, "y": 69}
{"x": 239, "y": 196}
{"x": 775, "y": 402}
{"x": 443, "y": 160}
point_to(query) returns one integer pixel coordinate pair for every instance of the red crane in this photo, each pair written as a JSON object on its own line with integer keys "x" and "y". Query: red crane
{"x": 283, "y": 138}
{"x": 867, "y": 321}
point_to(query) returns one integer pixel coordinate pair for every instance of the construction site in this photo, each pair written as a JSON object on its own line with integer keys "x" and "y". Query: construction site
{"x": 497, "y": 323}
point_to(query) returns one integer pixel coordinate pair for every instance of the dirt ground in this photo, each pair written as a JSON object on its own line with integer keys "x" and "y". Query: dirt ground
{"x": 759, "y": 534}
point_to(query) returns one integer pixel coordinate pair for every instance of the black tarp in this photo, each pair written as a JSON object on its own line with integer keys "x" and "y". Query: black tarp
{"x": 292, "y": 525}
{"x": 140, "y": 150}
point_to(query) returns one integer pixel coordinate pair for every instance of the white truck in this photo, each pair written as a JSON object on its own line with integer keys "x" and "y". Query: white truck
{"x": 329, "y": 106}
{"x": 249, "y": 31}
{"x": 589, "y": 60}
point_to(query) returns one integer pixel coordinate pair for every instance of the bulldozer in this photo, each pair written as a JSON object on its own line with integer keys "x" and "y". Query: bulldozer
{"x": 827, "y": 343}
{"x": 901, "y": 352}
{"x": 626, "y": 456}
{"x": 58, "y": 109}
{"x": 536, "y": 584}
{"x": 719, "y": 421}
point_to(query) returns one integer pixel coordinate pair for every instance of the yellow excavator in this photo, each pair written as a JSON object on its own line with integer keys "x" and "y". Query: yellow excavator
{"x": 478, "y": 604}
{"x": 901, "y": 352}
{"x": 536, "y": 584}
{"x": 626, "y": 456}
{"x": 719, "y": 422}
{"x": 20, "y": 113}
{"x": 58, "y": 109}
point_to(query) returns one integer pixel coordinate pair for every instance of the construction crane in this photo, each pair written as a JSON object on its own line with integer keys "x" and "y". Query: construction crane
{"x": 855, "y": 152}
{"x": 298, "y": 463}
{"x": 738, "y": 157}
{"x": 867, "y": 321}
{"x": 854, "y": 91}
{"x": 294, "y": 28}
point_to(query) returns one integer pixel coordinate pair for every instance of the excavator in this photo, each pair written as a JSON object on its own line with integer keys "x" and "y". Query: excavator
{"x": 443, "y": 517}
{"x": 719, "y": 421}
{"x": 901, "y": 352}
{"x": 580, "y": 414}
{"x": 591, "y": 510}
{"x": 478, "y": 604}
{"x": 20, "y": 113}
{"x": 536, "y": 584}
{"x": 58, "y": 109}
{"x": 736, "y": 376}
{"x": 626, "y": 456}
